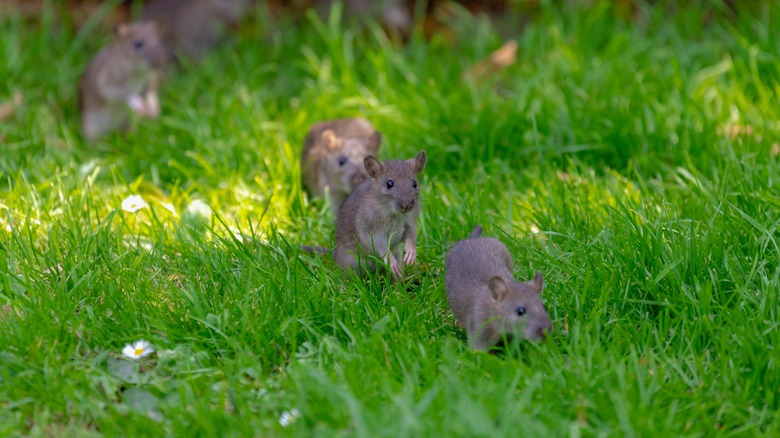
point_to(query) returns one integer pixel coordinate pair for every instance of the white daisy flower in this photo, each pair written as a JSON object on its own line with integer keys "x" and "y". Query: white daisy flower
{"x": 134, "y": 203}
{"x": 137, "y": 349}
{"x": 288, "y": 418}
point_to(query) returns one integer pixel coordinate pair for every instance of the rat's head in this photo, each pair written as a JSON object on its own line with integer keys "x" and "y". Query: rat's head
{"x": 142, "y": 40}
{"x": 396, "y": 180}
{"x": 342, "y": 159}
{"x": 519, "y": 308}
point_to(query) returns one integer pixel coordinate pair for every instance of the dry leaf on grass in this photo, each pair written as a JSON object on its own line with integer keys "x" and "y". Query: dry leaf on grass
{"x": 497, "y": 61}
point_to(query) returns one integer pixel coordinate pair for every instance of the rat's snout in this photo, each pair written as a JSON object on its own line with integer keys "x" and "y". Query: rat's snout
{"x": 358, "y": 178}
{"x": 544, "y": 330}
{"x": 406, "y": 205}
{"x": 159, "y": 56}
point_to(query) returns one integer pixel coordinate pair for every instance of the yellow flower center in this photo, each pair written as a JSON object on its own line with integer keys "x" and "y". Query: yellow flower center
{"x": 138, "y": 351}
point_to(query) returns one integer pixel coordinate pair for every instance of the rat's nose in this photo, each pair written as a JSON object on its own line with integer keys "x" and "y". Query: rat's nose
{"x": 406, "y": 206}
{"x": 545, "y": 330}
{"x": 161, "y": 57}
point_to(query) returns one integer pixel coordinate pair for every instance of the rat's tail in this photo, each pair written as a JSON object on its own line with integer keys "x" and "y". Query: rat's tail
{"x": 315, "y": 249}
{"x": 475, "y": 232}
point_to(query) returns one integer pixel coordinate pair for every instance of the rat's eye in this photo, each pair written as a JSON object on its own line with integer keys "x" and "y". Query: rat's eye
{"x": 389, "y": 184}
{"x": 414, "y": 183}
{"x": 521, "y": 310}
{"x": 138, "y": 44}
{"x": 342, "y": 160}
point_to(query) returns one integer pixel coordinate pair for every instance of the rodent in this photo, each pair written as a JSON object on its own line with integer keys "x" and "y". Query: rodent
{"x": 122, "y": 75}
{"x": 379, "y": 215}
{"x": 486, "y": 299}
{"x": 194, "y": 27}
{"x": 333, "y": 154}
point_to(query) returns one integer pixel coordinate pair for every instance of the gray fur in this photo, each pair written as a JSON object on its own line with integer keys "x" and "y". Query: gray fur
{"x": 375, "y": 220}
{"x": 333, "y": 154}
{"x": 485, "y": 297}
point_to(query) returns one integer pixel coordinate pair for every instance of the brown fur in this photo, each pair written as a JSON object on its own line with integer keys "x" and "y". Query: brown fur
{"x": 485, "y": 297}
{"x": 333, "y": 154}
{"x": 122, "y": 75}
{"x": 375, "y": 219}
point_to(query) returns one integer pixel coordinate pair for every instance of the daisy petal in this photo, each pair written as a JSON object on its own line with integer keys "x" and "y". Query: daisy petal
{"x": 288, "y": 418}
{"x": 133, "y": 203}
{"x": 137, "y": 349}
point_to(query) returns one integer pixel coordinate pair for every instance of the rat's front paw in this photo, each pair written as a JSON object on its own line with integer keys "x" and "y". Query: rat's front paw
{"x": 411, "y": 254}
{"x": 137, "y": 104}
{"x": 396, "y": 268}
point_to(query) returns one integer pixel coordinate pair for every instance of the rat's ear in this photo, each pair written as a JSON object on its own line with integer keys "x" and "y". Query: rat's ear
{"x": 329, "y": 139}
{"x": 418, "y": 162}
{"x": 374, "y": 141}
{"x": 373, "y": 166}
{"x": 538, "y": 282}
{"x": 123, "y": 30}
{"x": 498, "y": 289}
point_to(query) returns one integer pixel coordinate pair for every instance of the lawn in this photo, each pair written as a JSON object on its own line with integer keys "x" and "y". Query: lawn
{"x": 631, "y": 156}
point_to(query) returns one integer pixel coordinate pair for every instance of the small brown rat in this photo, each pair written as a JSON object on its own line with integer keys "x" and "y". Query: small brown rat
{"x": 194, "y": 27}
{"x": 121, "y": 76}
{"x": 379, "y": 215}
{"x": 486, "y": 299}
{"x": 333, "y": 154}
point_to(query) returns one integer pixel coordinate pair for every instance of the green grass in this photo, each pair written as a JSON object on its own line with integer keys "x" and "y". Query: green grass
{"x": 657, "y": 234}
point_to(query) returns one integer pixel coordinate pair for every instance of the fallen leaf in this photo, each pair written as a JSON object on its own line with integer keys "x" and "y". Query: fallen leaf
{"x": 495, "y": 62}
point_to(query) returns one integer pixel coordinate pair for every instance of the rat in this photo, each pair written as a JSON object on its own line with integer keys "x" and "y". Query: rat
{"x": 485, "y": 297}
{"x": 333, "y": 154}
{"x": 379, "y": 215}
{"x": 194, "y": 27}
{"x": 123, "y": 75}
